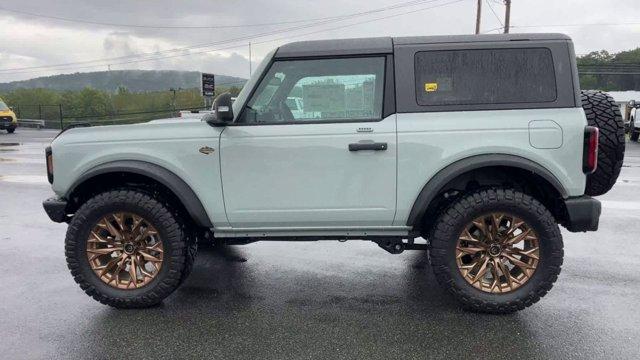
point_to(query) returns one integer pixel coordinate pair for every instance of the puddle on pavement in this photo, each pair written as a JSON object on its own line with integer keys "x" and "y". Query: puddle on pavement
{"x": 26, "y": 179}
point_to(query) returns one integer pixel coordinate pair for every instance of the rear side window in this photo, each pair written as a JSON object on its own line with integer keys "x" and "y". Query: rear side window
{"x": 485, "y": 76}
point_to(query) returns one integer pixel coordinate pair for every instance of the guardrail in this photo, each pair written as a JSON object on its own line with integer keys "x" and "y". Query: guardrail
{"x": 31, "y": 123}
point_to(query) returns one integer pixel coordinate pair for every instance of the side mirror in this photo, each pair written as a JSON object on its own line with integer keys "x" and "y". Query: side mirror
{"x": 222, "y": 111}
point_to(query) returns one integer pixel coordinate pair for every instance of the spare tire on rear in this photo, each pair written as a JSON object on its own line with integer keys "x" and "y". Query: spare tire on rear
{"x": 603, "y": 113}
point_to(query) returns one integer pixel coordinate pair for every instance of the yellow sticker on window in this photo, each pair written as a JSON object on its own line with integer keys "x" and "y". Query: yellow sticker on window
{"x": 430, "y": 87}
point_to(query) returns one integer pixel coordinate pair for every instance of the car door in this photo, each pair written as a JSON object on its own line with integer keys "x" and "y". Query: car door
{"x": 330, "y": 164}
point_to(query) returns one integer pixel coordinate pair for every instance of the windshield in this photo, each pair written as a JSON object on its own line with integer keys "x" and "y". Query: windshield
{"x": 3, "y": 106}
{"x": 244, "y": 93}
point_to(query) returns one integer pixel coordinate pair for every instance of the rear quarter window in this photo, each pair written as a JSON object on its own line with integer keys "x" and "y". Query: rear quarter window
{"x": 485, "y": 76}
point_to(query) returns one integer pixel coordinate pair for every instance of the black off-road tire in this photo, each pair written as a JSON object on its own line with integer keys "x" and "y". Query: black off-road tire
{"x": 444, "y": 238}
{"x": 603, "y": 113}
{"x": 171, "y": 230}
{"x": 11, "y": 130}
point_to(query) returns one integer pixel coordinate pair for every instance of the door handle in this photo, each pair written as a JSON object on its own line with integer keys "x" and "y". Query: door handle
{"x": 376, "y": 146}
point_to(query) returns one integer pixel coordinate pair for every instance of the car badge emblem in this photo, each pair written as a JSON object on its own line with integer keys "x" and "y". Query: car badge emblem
{"x": 206, "y": 150}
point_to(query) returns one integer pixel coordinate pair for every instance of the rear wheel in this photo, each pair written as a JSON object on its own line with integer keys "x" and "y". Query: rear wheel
{"x": 11, "y": 130}
{"x": 496, "y": 250}
{"x": 127, "y": 249}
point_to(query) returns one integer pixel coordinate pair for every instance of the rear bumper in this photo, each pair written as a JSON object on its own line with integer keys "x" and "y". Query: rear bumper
{"x": 583, "y": 214}
{"x": 56, "y": 209}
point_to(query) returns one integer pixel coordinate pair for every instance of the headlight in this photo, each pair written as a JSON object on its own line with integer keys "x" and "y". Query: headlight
{"x": 49, "y": 156}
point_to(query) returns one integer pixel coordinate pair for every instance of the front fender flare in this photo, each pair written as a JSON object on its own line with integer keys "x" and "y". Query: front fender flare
{"x": 173, "y": 182}
{"x": 438, "y": 181}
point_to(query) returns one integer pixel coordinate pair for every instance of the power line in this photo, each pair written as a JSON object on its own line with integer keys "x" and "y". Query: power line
{"x": 571, "y": 25}
{"x": 494, "y": 13}
{"x": 91, "y": 22}
{"x": 494, "y": 29}
{"x": 221, "y": 42}
{"x": 50, "y": 67}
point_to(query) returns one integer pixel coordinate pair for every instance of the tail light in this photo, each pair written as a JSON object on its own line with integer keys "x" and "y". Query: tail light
{"x": 49, "y": 157}
{"x": 590, "y": 151}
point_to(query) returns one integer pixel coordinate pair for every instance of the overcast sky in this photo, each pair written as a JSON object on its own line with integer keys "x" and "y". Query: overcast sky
{"x": 30, "y": 41}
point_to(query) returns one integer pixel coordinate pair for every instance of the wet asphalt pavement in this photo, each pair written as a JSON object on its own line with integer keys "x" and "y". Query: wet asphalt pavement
{"x": 308, "y": 300}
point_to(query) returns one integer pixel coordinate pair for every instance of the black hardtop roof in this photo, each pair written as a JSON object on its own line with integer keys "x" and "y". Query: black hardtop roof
{"x": 384, "y": 45}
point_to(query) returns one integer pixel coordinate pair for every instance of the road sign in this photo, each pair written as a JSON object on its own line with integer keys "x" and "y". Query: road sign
{"x": 208, "y": 84}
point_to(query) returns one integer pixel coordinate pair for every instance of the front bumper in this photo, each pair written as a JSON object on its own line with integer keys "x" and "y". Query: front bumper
{"x": 7, "y": 122}
{"x": 583, "y": 213}
{"x": 56, "y": 207}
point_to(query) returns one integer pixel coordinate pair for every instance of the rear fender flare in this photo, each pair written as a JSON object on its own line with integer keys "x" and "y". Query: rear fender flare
{"x": 435, "y": 185}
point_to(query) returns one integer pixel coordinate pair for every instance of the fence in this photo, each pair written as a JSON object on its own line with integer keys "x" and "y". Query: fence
{"x": 55, "y": 117}
{"x": 51, "y": 114}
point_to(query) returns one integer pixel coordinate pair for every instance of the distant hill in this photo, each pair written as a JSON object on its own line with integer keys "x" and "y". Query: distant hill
{"x": 133, "y": 80}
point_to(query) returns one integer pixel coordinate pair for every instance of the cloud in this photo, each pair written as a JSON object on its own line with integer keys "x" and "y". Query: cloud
{"x": 119, "y": 44}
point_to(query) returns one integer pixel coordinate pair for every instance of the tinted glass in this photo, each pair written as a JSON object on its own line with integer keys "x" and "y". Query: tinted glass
{"x": 318, "y": 90}
{"x": 485, "y": 76}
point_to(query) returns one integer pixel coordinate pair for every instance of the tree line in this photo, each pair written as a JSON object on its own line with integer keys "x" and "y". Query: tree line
{"x": 98, "y": 105}
{"x": 598, "y": 70}
{"x": 606, "y": 71}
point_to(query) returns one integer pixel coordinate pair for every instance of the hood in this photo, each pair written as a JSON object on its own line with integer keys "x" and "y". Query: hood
{"x": 163, "y": 129}
{"x": 174, "y": 120}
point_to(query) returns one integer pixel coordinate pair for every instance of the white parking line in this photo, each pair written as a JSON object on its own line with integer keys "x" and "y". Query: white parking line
{"x": 30, "y": 179}
{"x": 620, "y": 205}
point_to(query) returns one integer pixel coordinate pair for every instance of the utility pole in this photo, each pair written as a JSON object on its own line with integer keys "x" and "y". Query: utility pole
{"x": 173, "y": 101}
{"x": 507, "y": 15}
{"x": 249, "y": 59}
{"x": 478, "y": 15}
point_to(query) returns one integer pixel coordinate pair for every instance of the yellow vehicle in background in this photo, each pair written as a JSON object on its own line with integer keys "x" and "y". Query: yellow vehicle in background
{"x": 8, "y": 119}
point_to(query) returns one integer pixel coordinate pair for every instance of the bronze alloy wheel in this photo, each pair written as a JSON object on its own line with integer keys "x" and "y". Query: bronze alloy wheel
{"x": 497, "y": 252}
{"x": 124, "y": 250}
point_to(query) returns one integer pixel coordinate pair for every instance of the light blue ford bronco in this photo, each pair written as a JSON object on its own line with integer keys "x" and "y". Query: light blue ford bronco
{"x": 473, "y": 148}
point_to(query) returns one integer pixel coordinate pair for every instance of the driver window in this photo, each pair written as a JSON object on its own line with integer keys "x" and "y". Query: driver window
{"x": 330, "y": 90}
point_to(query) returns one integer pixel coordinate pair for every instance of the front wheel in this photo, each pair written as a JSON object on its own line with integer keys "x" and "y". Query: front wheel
{"x": 11, "y": 130}
{"x": 496, "y": 250}
{"x": 127, "y": 249}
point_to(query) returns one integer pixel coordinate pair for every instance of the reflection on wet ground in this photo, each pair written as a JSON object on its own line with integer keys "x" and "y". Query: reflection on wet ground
{"x": 311, "y": 300}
